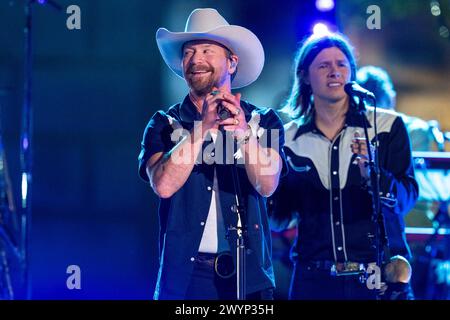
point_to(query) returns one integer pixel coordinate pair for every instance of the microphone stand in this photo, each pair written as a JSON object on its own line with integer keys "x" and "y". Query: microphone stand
{"x": 26, "y": 154}
{"x": 240, "y": 210}
{"x": 381, "y": 239}
{"x": 240, "y": 229}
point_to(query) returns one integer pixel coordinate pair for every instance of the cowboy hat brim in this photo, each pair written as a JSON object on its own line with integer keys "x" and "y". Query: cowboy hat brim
{"x": 241, "y": 41}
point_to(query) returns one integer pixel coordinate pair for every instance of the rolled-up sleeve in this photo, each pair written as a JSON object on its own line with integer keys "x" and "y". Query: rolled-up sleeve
{"x": 273, "y": 135}
{"x": 156, "y": 139}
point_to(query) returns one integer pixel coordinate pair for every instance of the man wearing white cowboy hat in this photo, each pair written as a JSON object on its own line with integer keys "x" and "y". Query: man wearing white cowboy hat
{"x": 197, "y": 197}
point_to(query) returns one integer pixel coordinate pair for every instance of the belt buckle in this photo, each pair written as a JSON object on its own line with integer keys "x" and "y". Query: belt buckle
{"x": 224, "y": 265}
{"x": 347, "y": 268}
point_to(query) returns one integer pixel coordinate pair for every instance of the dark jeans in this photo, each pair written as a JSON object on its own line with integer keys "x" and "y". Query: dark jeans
{"x": 309, "y": 283}
{"x": 205, "y": 284}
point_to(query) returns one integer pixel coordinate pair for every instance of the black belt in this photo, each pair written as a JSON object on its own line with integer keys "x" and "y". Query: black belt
{"x": 222, "y": 263}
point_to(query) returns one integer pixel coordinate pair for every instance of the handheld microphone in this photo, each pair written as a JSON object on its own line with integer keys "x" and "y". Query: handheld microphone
{"x": 222, "y": 112}
{"x": 354, "y": 89}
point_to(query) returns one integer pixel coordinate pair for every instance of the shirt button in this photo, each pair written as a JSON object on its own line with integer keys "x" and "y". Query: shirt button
{"x": 337, "y": 223}
{"x": 336, "y": 198}
{"x": 202, "y": 223}
{"x": 339, "y": 248}
{"x": 335, "y": 148}
{"x": 334, "y": 173}
{"x": 209, "y": 188}
{"x": 192, "y": 259}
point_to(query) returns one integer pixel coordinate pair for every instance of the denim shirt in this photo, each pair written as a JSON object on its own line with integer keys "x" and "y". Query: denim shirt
{"x": 183, "y": 216}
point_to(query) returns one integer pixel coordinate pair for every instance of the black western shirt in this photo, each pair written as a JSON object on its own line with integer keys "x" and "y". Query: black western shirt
{"x": 325, "y": 192}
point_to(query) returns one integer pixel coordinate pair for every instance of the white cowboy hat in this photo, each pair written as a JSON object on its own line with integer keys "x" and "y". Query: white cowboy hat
{"x": 208, "y": 24}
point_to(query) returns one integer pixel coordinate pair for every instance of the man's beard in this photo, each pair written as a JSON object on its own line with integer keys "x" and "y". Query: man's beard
{"x": 201, "y": 85}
